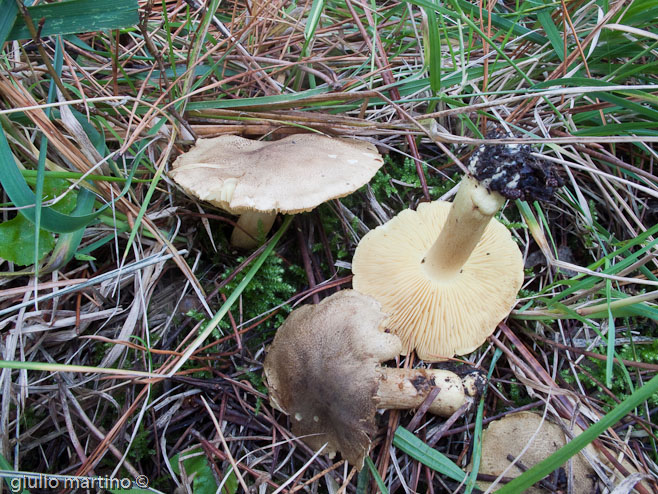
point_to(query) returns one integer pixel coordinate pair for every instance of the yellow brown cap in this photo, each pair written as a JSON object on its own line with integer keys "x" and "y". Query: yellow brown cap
{"x": 291, "y": 175}
{"x": 527, "y": 436}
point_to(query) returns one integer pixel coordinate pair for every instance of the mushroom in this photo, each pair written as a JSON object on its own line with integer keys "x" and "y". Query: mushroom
{"x": 522, "y": 438}
{"x": 445, "y": 273}
{"x": 258, "y": 179}
{"x": 528, "y": 440}
{"x": 323, "y": 369}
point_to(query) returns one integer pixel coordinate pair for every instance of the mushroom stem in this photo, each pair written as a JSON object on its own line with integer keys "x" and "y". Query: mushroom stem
{"x": 470, "y": 213}
{"x": 246, "y": 231}
{"x": 407, "y": 389}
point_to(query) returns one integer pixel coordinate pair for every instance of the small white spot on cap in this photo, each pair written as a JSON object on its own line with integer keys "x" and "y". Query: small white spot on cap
{"x": 298, "y": 417}
{"x": 316, "y": 418}
{"x": 333, "y": 156}
{"x": 352, "y": 162}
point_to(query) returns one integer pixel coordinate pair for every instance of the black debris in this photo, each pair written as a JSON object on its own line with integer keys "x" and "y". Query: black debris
{"x": 512, "y": 171}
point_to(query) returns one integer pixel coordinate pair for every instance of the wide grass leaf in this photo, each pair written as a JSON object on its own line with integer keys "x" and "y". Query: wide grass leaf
{"x": 77, "y": 16}
{"x": 6, "y": 466}
{"x": 420, "y": 451}
{"x": 8, "y": 18}
{"x": 551, "y": 30}
{"x": 22, "y": 196}
{"x": 433, "y": 50}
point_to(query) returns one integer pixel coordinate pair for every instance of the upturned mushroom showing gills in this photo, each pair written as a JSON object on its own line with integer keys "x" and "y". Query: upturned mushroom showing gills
{"x": 258, "y": 179}
{"x": 447, "y": 273}
{"x": 323, "y": 370}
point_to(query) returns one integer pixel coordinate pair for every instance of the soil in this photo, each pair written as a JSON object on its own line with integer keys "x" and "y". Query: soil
{"x": 512, "y": 171}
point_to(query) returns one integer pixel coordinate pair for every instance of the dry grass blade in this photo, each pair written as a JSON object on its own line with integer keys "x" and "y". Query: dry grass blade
{"x": 148, "y": 337}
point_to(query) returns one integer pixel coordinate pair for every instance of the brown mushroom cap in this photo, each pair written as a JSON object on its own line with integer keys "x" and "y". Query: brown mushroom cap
{"x": 322, "y": 370}
{"x": 437, "y": 317}
{"x": 292, "y": 175}
{"x": 511, "y": 434}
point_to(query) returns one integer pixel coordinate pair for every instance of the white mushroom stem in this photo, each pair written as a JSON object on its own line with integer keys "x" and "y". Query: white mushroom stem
{"x": 246, "y": 233}
{"x": 470, "y": 213}
{"x": 407, "y": 389}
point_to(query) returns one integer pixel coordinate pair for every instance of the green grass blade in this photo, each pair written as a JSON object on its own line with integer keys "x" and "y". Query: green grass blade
{"x": 362, "y": 481}
{"x": 542, "y": 469}
{"x": 626, "y": 128}
{"x": 545, "y": 19}
{"x": 41, "y": 164}
{"x": 38, "y": 188}
{"x": 268, "y": 102}
{"x": 312, "y": 24}
{"x": 212, "y": 324}
{"x": 22, "y": 196}
{"x": 631, "y": 106}
{"x": 78, "y": 16}
{"x": 611, "y": 332}
{"x": 68, "y": 243}
{"x": 6, "y": 467}
{"x": 420, "y": 451}
{"x": 50, "y": 367}
{"x": 433, "y": 51}
{"x": 7, "y": 19}
{"x": 31, "y": 174}
{"x": 378, "y": 480}
{"x": 477, "y": 431}
{"x": 142, "y": 211}
{"x": 496, "y": 19}
{"x": 313, "y": 19}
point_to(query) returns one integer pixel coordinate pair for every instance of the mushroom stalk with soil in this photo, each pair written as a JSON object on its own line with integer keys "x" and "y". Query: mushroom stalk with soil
{"x": 323, "y": 369}
{"x": 407, "y": 389}
{"x": 470, "y": 213}
{"x": 448, "y": 273}
{"x": 496, "y": 173}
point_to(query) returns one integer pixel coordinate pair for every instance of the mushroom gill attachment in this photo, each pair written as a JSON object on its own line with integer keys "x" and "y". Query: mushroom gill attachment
{"x": 258, "y": 179}
{"x": 448, "y": 273}
{"x": 438, "y": 315}
{"x": 323, "y": 370}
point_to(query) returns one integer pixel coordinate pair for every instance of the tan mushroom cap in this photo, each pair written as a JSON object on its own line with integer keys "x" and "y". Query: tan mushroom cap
{"x": 292, "y": 175}
{"x": 437, "y": 317}
{"x": 511, "y": 434}
{"x": 322, "y": 370}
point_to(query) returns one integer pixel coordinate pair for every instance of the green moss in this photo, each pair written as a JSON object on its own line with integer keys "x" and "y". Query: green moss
{"x": 646, "y": 353}
{"x": 140, "y": 449}
{"x": 515, "y": 392}
{"x": 271, "y": 287}
{"x": 256, "y": 380}
{"x": 388, "y": 180}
